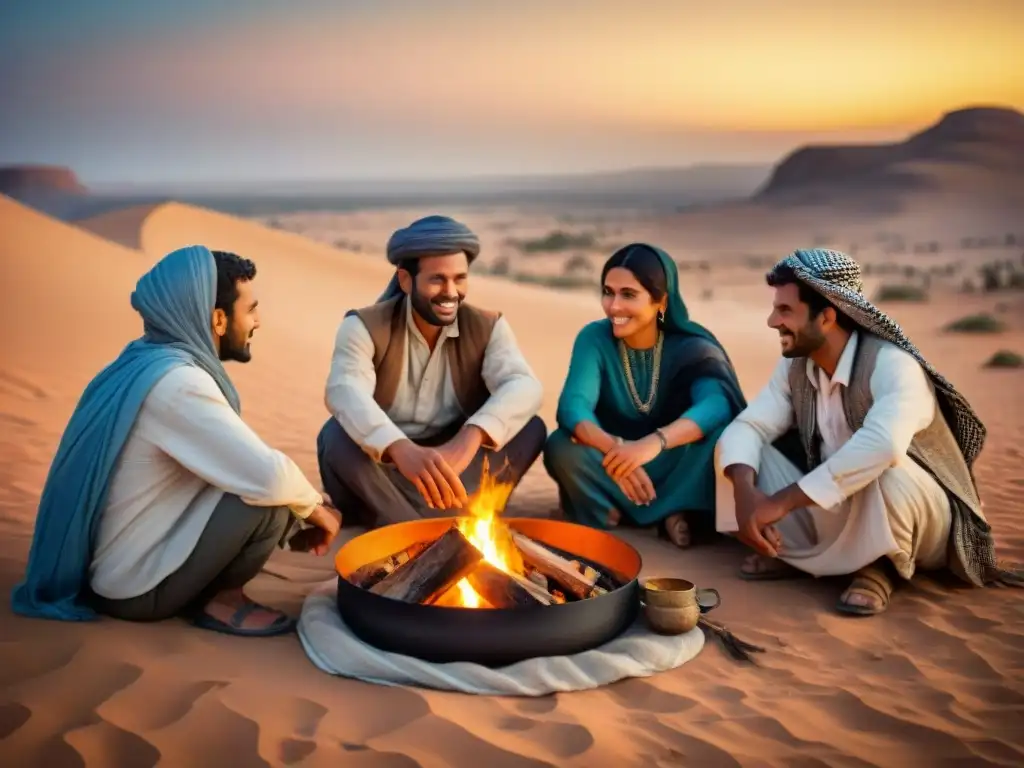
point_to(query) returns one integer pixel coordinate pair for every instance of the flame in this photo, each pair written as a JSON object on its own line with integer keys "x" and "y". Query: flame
{"x": 484, "y": 528}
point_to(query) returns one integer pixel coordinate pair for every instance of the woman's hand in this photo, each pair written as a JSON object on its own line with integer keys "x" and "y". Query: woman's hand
{"x": 638, "y": 487}
{"x": 625, "y": 458}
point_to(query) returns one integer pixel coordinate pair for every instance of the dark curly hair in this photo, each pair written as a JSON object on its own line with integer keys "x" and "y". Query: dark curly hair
{"x": 231, "y": 270}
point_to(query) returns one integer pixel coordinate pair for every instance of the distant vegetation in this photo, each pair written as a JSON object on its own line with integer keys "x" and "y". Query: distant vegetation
{"x": 901, "y": 293}
{"x": 555, "y": 281}
{"x": 1004, "y": 358}
{"x": 557, "y": 242}
{"x": 981, "y": 323}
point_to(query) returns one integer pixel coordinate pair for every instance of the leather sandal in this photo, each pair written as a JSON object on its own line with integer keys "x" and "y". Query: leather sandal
{"x": 281, "y": 625}
{"x": 874, "y": 584}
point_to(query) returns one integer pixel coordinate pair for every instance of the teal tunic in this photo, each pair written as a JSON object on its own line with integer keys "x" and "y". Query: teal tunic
{"x": 696, "y": 382}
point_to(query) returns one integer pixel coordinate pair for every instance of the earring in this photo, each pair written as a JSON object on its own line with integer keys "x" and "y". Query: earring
{"x": 661, "y": 315}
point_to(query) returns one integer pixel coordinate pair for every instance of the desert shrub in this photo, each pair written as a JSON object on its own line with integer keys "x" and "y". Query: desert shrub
{"x": 1016, "y": 280}
{"x": 500, "y": 266}
{"x": 1004, "y": 358}
{"x": 980, "y": 323}
{"x": 578, "y": 262}
{"x": 901, "y": 293}
{"x": 990, "y": 278}
{"x": 558, "y": 241}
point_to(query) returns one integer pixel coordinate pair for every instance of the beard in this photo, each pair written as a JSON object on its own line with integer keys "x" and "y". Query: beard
{"x": 234, "y": 346}
{"x": 802, "y": 343}
{"x": 425, "y": 307}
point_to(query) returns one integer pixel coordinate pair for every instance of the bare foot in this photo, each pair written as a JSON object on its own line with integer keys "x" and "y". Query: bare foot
{"x": 678, "y": 530}
{"x": 225, "y": 607}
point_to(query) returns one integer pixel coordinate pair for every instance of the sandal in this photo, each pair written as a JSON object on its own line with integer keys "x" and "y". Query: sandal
{"x": 875, "y": 585}
{"x": 281, "y": 625}
{"x": 767, "y": 569}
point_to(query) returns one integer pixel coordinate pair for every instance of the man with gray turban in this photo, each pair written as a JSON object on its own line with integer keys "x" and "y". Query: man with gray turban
{"x": 424, "y": 388}
{"x": 887, "y": 443}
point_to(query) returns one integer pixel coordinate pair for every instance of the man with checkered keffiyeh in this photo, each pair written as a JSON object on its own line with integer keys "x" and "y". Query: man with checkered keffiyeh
{"x": 856, "y": 458}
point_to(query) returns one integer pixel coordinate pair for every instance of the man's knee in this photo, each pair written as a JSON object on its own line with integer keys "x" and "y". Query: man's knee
{"x": 334, "y": 447}
{"x": 534, "y": 435}
{"x": 277, "y": 522}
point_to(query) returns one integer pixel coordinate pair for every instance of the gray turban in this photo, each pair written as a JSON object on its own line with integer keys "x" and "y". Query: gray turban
{"x": 429, "y": 236}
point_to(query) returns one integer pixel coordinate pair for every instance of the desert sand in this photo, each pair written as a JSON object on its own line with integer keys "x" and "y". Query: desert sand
{"x": 937, "y": 680}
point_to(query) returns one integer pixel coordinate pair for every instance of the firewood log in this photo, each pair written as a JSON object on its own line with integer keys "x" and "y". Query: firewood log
{"x": 557, "y": 569}
{"x": 365, "y": 576}
{"x": 440, "y": 566}
{"x": 502, "y": 590}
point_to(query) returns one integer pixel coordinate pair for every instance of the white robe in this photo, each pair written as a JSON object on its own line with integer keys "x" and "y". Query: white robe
{"x": 871, "y": 499}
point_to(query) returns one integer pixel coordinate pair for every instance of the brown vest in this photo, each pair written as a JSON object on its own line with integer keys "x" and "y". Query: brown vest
{"x": 934, "y": 448}
{"x": 386, "y": 323}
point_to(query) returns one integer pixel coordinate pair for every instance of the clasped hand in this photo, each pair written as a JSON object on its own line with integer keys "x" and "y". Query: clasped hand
{"x": 756, "y": 515}
{"x": 625, "y": 462}
{"x": 324, "y": 522}
{"x": 628, "y": 456}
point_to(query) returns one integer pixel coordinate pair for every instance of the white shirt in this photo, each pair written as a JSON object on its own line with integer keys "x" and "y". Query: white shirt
{"x": 425, "y": 402}
{"x": 904, "y": 404}
{"x": 186, "y": 449}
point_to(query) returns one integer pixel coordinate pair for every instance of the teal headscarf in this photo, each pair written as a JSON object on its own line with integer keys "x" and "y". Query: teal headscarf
{"x": 708, "y": 359}
{"x": 175, "y": 299}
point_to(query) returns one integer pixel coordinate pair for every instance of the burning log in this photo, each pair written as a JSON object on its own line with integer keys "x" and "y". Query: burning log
{"x": 433, "y": 572}
{"x": 367, "y": 575}
{"x": 581, "y": 584}
{"x": 505, "y": 590}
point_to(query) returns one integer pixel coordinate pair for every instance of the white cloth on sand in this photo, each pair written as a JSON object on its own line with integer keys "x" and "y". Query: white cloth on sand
{"x": 638, "y": 652}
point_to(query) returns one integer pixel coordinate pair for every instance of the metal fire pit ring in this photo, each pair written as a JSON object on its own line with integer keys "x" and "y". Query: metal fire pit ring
{"x": 491, "y": 637}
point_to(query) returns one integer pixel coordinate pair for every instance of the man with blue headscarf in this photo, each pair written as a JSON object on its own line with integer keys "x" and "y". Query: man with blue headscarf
{"x": 161, "y": 501}
{"x": 424, "y": 388}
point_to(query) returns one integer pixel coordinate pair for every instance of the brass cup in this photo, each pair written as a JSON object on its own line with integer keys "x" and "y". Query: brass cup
{"x": 672, "y": 621}
{"x": 673, "y": 606}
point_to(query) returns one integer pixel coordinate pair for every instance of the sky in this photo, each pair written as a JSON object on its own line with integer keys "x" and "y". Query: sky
{"x": 200, "y": 92}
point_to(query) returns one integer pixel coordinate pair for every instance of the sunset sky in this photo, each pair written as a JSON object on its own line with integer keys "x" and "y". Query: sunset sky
{"x": 183, "y": 92}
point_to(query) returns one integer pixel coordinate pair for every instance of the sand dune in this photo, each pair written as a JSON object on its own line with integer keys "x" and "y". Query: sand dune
{"x": 935, "y": 681}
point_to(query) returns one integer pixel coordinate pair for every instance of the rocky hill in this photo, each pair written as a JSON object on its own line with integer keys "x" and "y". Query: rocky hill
{"x": 19, "y": 180}
{"x": 961, "y": 149}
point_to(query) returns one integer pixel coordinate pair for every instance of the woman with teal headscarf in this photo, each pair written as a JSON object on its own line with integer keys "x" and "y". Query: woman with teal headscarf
{"x": 647, "y": 395}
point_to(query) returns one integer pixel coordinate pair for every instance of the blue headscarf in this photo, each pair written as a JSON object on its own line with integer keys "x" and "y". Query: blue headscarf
{"x": 430, "y": 236}
{"x": 175, "y": 299}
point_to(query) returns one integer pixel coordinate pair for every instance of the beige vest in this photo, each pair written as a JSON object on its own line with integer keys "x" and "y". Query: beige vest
{"x": 386, "y": 323}
{"x": 935, "y": 448}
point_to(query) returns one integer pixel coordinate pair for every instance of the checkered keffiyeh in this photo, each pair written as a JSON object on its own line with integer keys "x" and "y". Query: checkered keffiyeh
{"x": 837, "y": 277}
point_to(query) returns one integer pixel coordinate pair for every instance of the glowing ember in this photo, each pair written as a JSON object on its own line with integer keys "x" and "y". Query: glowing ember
{"x": 482, "y": 526}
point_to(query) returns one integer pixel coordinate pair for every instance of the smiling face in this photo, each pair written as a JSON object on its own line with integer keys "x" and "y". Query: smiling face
{"x": 438, "y": 287}
{"x": 629, "y": 305}
{"x": 800, "y": 333}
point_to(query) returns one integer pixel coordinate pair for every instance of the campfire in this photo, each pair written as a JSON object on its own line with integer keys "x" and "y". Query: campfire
{"x": 481, "y": 562}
